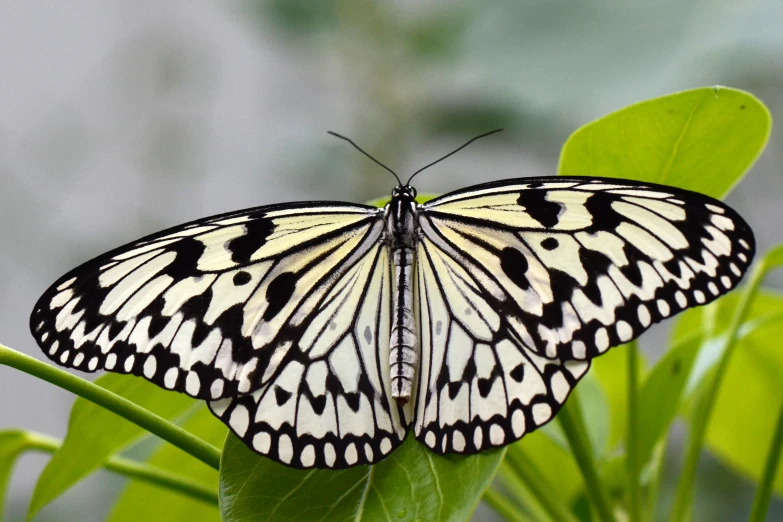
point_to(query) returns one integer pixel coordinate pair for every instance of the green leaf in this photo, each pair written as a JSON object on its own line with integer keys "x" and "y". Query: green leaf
{"x": 595, "y": 415}
{"x": 411, "y": 484}
{"x": 146, "y": 502}
{"x": 94, "y": 434}
{"x": 703, "y": 140}
{"x": 12, "y": 442}
{"x": 750, "y": 397}
{"x": 661, "y": 394}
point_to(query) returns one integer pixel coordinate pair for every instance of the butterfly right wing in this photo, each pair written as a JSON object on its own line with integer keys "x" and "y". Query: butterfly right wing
{"x": 328, "y": 404}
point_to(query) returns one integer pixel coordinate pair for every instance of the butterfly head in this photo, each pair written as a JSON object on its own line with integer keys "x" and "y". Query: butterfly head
{"x": 404, "y": 193}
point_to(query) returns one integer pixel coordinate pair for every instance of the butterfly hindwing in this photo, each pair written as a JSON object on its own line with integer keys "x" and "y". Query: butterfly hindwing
{"x": 328, "y": 404}
{"x": 576, "y": 265}
{"x": 479, "y": 386}
{"x": 205, "y": 308}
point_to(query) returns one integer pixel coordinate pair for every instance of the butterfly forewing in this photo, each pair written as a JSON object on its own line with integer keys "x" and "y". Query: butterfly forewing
{"x": 576, "y": 265}
{"x": 209, "y": 307}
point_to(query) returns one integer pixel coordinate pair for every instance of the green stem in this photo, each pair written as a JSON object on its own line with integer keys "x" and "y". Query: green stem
{"x": 503, "y": 506}
{"x": 519, "y": 492}
{"x": 134, "y": 470}
{"x": 526, "y": 470}
{"x": 632, "y": 442}
{"x": 764, "y": 490}
{"x": 203, "y": 451}
{"x": 570, "y": 418}
{"x": 655, "y": 483}
{"x": 683, "y": 500}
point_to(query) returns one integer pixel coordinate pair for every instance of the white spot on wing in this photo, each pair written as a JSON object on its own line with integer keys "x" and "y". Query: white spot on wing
{"x": 307, "y": 458}
{"x": 478, "y": 437}
{"x": 496, "y": 435}
{"x": 170, "y": 379}
{"x": 458, "y": 441}
{"x": 644, "y": 315}
{"x": 150, "y": 366}
{"x": 216, "y": 389}
{"x": 624, "y": 331}
{"x": 560, "y": 387}
{"x": 541, "y": 413}
{"x": 262, "y": 442}
{"x": 518, "y": 423}
{"x": 285, "y": 449}
{"x": 601, "y": 340}
{"x": 239, "y": 420}
{"x": 351, "y": 456}
{"x": 330, "y": 456}
{"x": 60, "y": 299}
{"x": 66, "y": 284}
{"x": 192, "y": 383}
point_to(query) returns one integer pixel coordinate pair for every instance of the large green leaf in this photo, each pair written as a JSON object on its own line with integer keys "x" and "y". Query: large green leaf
{"x": 749, "y": 401}
{"x": 94, "y": 434}
{"x": 703, "y": 140}
{"x": 750, "y": 395}
{"x": 661, "y": 395}
{"x": 411, "y": 484}
{"x": 141, "y": 501}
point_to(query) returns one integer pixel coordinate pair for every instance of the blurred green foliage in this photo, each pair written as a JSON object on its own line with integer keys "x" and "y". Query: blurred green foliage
{"x": 537, "y": 69}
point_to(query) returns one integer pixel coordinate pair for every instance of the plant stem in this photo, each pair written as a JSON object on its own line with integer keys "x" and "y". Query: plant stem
{"x": 519, "y": 493}
{"x": 187, "y": 442}
{"x": 526, "y": 471}
{"x": 632, "y": 442}
{"x": 134, "y": 470}
{"x": 570, "y": 418}
{"x": 705, "y": 402}
{"x": 764, "y": 490}
{"x": 503, "y": 506}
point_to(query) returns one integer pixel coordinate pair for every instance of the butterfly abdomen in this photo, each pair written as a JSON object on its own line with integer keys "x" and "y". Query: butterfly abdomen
{"x": 403, "y": 355}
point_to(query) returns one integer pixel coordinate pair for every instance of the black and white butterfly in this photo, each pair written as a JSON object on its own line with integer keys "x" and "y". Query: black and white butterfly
{"x": 322, "y": 332}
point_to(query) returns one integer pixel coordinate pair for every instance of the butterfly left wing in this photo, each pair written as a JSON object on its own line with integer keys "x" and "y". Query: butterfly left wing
{"x": 207, "y": 308}
{"x": 522, "y": 282}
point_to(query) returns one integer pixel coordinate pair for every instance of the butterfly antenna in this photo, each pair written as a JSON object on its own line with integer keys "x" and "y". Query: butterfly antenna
{"x": 452, "y": 153}
{"x": 360, "y": 150}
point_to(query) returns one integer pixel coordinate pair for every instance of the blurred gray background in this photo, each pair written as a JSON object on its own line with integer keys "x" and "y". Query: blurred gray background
{"x": 121, "y": 118}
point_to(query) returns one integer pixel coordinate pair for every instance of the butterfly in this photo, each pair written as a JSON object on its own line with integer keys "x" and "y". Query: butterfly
{"x": 322, "y": 333}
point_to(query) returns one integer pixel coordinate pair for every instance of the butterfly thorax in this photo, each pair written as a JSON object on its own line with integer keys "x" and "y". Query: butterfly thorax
{"x": 401, "y": 235}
